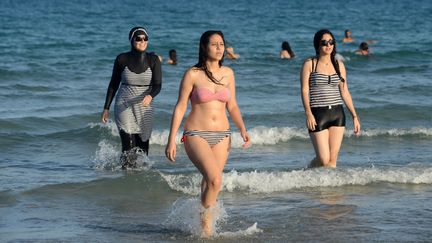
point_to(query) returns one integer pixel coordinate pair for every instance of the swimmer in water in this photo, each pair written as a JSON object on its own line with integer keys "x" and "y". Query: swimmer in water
{"x": 172, "y": 60}
{"x": 286, "y": 52}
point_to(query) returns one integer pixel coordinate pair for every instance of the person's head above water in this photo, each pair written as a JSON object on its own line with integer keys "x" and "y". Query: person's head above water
{"x": 364, "y": 46}
{"x": 347, "y": 34}
{"x": 172, "y": 57}
{"x": 138, "y": 38}
{"x": 286, "y": 47}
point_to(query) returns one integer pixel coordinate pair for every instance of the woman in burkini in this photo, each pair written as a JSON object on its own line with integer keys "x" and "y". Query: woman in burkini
{"x": 324, "y": 89}
{"x": 139, "y": 76}
{"x": 210, "y": 86}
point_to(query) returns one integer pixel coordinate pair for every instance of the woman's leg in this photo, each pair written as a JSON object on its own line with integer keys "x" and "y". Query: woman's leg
{"x": 335, "y": 142}
{"x": 220, "y": 151}
{"x": 201, "y": 155}
{"x": 129, "y": 143}
{"x": 210, "y": 161}
{"x": 144, "y": 145}
{"x": 127, "y": 140}
{"x": 320, "y": 141}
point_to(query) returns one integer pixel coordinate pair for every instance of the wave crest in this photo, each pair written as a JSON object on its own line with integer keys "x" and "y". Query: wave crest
{"x": 263, "y": 135}
{"x": 268, "y": 182}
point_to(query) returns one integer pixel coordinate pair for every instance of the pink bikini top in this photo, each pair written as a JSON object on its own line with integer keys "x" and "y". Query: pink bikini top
{"x": 203, "y": 95}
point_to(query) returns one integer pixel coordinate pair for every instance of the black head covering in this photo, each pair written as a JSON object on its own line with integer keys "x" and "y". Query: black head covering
{"x": 137, "y": 31}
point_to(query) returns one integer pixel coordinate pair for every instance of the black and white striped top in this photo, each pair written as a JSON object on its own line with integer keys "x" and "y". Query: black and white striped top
{"x": 324, "y": 90}
{"x": 131, "y": 78}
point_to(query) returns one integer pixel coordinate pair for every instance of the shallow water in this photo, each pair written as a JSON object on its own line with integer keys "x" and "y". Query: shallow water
{"x": 60, "y": 179}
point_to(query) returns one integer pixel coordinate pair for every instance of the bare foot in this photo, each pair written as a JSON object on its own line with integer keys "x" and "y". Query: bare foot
{"x": 207, "y": 223}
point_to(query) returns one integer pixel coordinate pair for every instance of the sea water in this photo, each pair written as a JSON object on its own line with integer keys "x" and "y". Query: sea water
{"x": 60, "y": 178}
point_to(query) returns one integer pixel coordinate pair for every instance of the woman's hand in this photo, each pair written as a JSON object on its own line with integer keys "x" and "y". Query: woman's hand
{"x": 356, "y": 125}
{"x": 310, "y": 122}
{"x": 105, "y": 115}
{"x": 246, "y": 139}
{"x": 147, "y": 100}
{"x": 170, "y": 151}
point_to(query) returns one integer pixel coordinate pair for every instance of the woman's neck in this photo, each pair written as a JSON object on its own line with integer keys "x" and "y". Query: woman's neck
{"x": 324, "y": 59}
{"x": 212, "y": 65}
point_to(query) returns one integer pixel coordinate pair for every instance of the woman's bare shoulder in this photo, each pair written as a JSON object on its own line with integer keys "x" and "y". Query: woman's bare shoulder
{"x": 227, "y": 70}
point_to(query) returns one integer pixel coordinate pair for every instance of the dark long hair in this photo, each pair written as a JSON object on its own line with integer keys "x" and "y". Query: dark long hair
{"x": 203, "y": 55}
{"x": 286, "y": 46}
{"x": 173, "y": 55}
{"x": 317, "y": 39}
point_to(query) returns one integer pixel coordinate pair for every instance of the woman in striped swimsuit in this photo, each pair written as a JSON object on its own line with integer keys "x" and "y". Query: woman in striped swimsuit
{"x": 324, "y": 89}
{"x": 210, "y": 87}
{"x": 137, "y": 76}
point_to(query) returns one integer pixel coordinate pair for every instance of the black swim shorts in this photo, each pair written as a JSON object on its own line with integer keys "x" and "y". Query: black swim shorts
{"x": 328, "y": 116}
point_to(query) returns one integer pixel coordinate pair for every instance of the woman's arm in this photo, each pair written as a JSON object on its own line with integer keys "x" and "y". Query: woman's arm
{"x": 346, "y": 97}
{"x": 112, "y": 89}
{"x": 234, "y": 109}
{"x": 186, "y": 87}
{"x": 156, "y": 76}
{"x": 304, "y": 80}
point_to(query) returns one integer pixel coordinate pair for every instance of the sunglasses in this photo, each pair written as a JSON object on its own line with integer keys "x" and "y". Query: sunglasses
{"x": 139, "y": 39}
{"x": 326, "y": 43}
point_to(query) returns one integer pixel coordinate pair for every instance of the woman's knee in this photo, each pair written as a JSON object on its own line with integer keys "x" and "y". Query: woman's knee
{"x": 215, "y": 183}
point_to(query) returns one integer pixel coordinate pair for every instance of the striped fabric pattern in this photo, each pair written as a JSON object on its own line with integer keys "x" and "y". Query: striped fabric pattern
{"x": 212, "y": 137}
{"x": 324, "y": 90}
{"x": 131, "y": 116}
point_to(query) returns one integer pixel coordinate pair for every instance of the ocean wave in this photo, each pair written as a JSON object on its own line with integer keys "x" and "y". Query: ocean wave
{"x": 395, "y": 132}
{"x": 263, "y": 135}
{"x": 275, "y": 135}
{"x": 402, "y": 69}
{"x": 268, "y": 182}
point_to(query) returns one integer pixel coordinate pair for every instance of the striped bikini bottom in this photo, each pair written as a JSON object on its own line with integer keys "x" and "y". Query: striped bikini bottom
{"x": 212, "y": 137}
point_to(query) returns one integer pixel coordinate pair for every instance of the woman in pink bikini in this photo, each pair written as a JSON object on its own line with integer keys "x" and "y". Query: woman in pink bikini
{"x": 210, "y": 86}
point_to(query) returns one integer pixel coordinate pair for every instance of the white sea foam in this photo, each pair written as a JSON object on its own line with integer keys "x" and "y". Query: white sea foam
{"x": 249, "y": 231}
{"x": 267, "y": 182}
{"x": 185, "y": 216}
{"x": 263, "y": 135}
{"x": 395, "y": 132}
{"x": 107, "y": 157}
{"x": 259, "y": 135}
{"x": 273, "y": 135}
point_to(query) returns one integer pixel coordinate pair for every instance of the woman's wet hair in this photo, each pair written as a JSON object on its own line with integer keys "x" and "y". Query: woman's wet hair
{"x": 286, "y": 46}
{"x": 346, "y": 32}
{"x": 203, "y": 53}
{"x": 173, "y": 55}
{"x": 364, "y": 46}
{"x": 317, "y": 40}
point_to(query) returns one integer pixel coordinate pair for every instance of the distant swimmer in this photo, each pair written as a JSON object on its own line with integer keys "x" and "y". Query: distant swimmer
{"x": 363, "y": 49}
{"x": 230, "y": 53}
{"x": 172, "y": 60}
{"x": 210, "y": 88}
{"x": 347, "y": 37}
{"x": 286, "y": 52}
{"x": 324, "y": 89}
{"x": 137, "y": 76}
